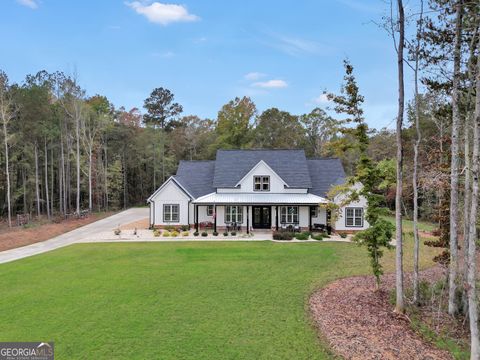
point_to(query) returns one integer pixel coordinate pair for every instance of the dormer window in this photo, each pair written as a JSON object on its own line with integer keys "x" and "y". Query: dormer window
{"x": 261, "y": 183}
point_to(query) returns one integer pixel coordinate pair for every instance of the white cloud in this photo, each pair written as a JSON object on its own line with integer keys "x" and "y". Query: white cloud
{"x": 296, "y": 46}
{"x": 252, "y": 76}
{"x": 163, "y": 14}
{"x": 321, "y": 99}
{"x": 271, "y": 84}
{"x": 32, "y": 4}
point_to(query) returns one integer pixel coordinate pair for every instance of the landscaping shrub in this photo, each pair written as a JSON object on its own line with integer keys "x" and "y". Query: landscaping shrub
{"x": 169, "y": 228}
{"x": 302, "y": 236}
{"x": 156, "y": 233}
{"x": 343, "y": 235}
{"x": 195, "y": 233}
{"x": 185, "y": 233}
{"x": 233, "y": 233}
{"x": 166, "y": 233}
{"x": 326, "y": 236}
{"x": 184, "y": 227}
{"x": 215, "y": 233}
{"x": 282, "y": 235}
{"x": 204, "y": 234}
{"x": 225, "y": 233}
{"x": 318, "y": 237}
{"x": 117, "y": 231}
{"x": 174, "y": 233}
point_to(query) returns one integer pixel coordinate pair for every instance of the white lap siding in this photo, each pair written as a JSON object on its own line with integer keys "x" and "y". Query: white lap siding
{"x": 171, "y": 194}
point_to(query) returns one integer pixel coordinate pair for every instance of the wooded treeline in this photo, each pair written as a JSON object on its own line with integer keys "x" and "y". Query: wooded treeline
{"x": 64, "y": 151}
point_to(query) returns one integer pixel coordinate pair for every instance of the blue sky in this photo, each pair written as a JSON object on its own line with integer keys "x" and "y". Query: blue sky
{"x": 280, "y": 53}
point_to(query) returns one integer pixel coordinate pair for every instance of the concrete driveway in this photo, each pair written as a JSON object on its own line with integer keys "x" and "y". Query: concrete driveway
{"x": 77, "y": 235}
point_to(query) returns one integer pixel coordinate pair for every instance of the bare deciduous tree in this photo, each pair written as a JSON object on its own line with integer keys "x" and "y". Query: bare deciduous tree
{"x": 399, "y": 306}
{"x": 452, "y": 307}
{"x": 6, "y": 115}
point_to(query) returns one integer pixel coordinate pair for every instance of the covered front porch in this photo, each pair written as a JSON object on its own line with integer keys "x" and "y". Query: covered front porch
{"x": 254, "y": 212}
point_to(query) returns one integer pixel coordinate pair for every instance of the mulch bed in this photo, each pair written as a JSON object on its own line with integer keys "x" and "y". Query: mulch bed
{"x": 359, "y": 322}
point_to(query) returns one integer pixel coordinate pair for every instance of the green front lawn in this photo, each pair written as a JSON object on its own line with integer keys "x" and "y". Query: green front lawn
{"x": 176, "y": 301}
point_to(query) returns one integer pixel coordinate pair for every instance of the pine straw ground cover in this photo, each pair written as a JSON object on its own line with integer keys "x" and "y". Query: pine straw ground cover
{"x": 209, "y": 300}
{"x": 43, "y": 229}
{"x": 359, "y": 323}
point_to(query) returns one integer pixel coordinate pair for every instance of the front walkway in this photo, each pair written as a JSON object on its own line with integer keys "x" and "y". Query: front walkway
{"x": 77, "y": 235}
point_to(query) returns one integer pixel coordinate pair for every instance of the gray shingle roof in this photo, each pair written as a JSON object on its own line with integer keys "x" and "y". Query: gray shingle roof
{"x": 200, "y": 178}
{"x": 232, "y": 165}
{"x": 196, "y": 177}
{"x": 325, "y": 173}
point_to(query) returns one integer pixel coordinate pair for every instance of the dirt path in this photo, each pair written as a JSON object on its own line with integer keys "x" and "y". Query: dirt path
{"x": 359, "y": 323}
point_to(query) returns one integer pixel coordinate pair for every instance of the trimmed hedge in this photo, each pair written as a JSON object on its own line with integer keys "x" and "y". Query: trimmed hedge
{"x": 282, "y": 235}
{"x": 302, "y": 236}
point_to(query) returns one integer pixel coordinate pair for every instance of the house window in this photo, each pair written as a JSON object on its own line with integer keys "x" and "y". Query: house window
{"x": 314, "y": 211}
{"x": 289, "y": 214}
{"x": 171, "y": 212}
{"x": 209, "y": 210}
{"x": 233, "y": 214}
{"x": 354, "y": 217}
{"x": 261, "y": 183}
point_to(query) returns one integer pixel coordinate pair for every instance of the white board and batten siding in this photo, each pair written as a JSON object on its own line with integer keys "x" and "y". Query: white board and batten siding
{"x": 341, "y": 223}
{"x": 277, "y": 185}
{"x": 170, "y": 194}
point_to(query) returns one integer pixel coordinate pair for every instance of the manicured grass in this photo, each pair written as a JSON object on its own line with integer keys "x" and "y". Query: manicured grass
{"x": 241, "y": 300}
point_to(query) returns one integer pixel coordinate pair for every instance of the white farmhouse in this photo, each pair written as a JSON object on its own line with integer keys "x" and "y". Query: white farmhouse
{"x": 255, "y": 189}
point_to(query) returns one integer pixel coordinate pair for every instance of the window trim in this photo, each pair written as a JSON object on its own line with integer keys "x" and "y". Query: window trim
{"x": 209, "y": 210}
{"x": 354, "y": 217}
{"x": 314, "y": 211}
{"x": 239, "y": 212}
{"x": 171, "y": 220}
{"x": 292, "y": 215}
{"x": 262, "y": 182}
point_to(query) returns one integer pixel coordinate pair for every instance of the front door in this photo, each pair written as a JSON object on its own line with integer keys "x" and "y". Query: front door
{"x": 261, "y": 217}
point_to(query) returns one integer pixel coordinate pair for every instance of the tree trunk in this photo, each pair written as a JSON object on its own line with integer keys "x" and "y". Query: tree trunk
{"x": 106, "y": 175}
{"x": 60, "y": 184}
{"x": 24, "y": 184}
{"x": 399, "y": 307}
{"x": 63, "y": 197}
{"x": 416, "y": 249}
{"x": 472, "y": 238}
{"x": 77, "y": 134}
{"x": 90, "y": 179}
{"x": 467, "y": 194}
{"x": 37, "y": 186}
{"x": 124, "y": 181}
{"x": 7, "y": 170}
{"x": 154, "y": 167}
{"x": 51, "y": 181}
{"x": 452, "y": 278}
{"x": 47, "y": 196}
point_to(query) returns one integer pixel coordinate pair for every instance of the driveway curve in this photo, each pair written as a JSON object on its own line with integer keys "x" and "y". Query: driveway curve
{"x": 77, "y": 235}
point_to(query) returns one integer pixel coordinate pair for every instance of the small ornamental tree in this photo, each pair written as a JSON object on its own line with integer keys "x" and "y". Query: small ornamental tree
{"x": 369, "y": 175}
